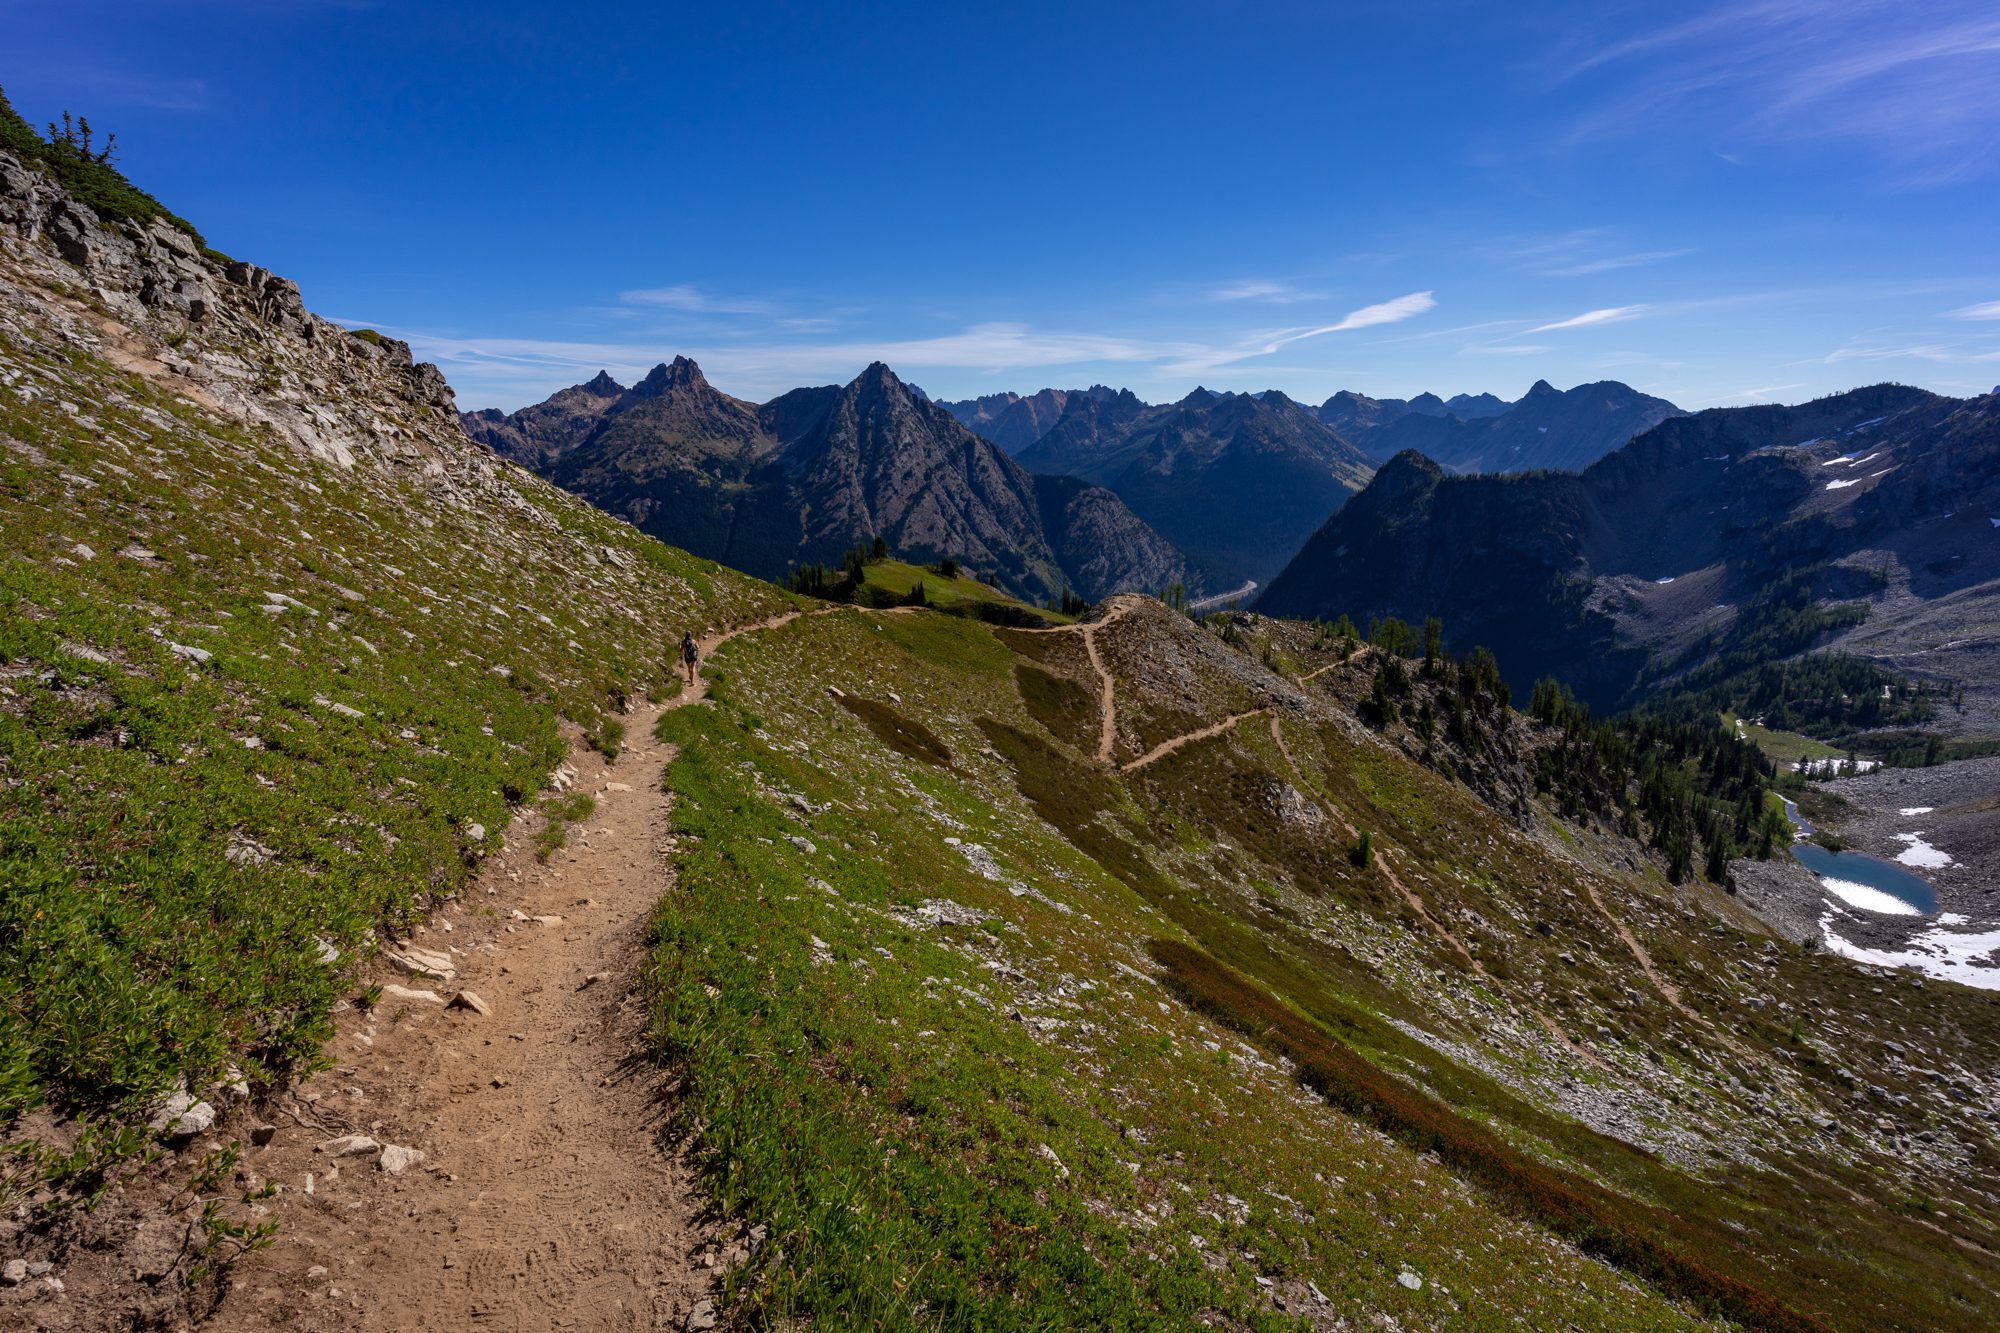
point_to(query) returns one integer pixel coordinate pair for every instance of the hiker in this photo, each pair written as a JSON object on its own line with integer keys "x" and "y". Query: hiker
{"x": 690, "y": 655}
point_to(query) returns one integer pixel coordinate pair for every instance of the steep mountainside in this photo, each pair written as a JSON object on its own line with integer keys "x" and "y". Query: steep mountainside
{"x": 537, "y": 436}
{"x": 672, "y": 452}
{"x": 817, "y": 471}
{"x": 1100, "y": 544}
{"x": 1076, "y": 921}
{"x": 1014, "y": 422}
{"x": 1546, "y": 428}
{"x": 1237, "y": 482}
{"x": 282, "y": 653}
{"x": 1620, "y": 577}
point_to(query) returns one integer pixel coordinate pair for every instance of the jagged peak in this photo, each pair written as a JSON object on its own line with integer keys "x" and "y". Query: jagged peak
{"x": 680, "y": 373}
{"x": 604, "y": 386}
{"x": 878, "y": 381}
{"x": 1541, "y": 389}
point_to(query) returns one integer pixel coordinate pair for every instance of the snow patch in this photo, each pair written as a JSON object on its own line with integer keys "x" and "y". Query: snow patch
{"x": 1842, "y": 485}
{"x": 1669, "y": 579}
{"x": 1833, "y": 766}
{"x": 1917, "y": 852}
{"x": 1910, "y": 810}
{"x": 1949, "y": 955}
{"x": 1866, "y": 898}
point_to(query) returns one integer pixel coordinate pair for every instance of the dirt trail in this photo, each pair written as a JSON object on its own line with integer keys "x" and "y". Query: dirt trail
{"x": 547, "y": 1197}
{"x": 1417, "y": 904}
{"x": 1107, "y": 704}
{"x": 1668, "y": 991}
{"x": 1167, "y": 747}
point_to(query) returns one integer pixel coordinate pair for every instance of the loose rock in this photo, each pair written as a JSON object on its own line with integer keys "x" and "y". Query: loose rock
{"x": 465, "y": 999}
{"x": 397, "y": 1159}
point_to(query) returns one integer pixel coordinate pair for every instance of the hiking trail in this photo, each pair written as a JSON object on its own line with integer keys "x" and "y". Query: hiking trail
{"x": 547, "y": 1196}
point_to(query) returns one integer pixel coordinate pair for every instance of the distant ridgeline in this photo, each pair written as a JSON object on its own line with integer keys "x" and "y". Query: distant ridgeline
{"x": 1824, "y": 568}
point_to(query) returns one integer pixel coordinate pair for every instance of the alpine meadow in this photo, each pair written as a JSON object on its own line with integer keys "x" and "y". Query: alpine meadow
{"x": 846, "y": 667}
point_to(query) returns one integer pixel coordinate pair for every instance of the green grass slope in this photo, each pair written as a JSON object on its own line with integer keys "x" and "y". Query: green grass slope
{"x": 987, "y": 1034}
{"x": 258, "y": 709}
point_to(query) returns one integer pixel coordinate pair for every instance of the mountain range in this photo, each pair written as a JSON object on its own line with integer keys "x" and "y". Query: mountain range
{"x": 1014, "y": 422}
{"x": 1236, "y": 481}
{"x": 816, "y": 471}
{"x": 1659, "y": 556}
{"x": 1545, "y": 428}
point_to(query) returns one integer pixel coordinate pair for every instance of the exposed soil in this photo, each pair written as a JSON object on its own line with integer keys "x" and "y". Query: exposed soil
{"x": 1168, "y": 746}
{"x": 550, "y": 1194}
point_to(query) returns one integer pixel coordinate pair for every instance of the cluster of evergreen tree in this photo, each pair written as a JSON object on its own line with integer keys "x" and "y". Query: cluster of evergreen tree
{"x": 1673, "y": 774}
{"x": 1070, "y": 602}
{"x": 842, "y": 584}
{"x": 1459, "y": 707}
{"x": 1832, "y": 696}
{"x": 72, "y": 154}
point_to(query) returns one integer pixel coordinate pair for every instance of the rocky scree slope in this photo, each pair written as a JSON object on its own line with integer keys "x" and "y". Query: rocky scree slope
{"x": 1617, "y": 578}
{"x": 280, "y": 653}
{"x": 1237, "y": 482}
{"x": 816, "y": 471}
{"x": 1069, "y": 929}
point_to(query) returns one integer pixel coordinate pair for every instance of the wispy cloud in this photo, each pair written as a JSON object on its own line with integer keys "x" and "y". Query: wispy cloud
{"x": 1919, "y": 84}
{"x": 1265, "y": 290}
{"x": 1888, "y": 352}
{"x": 1985, "y": 310}
{"x": 1264, "y": 344}
{"x": 1611, "y": 263}
{"x": 1760, "y": 392}
{"x": 685, "y": 296}
{"x": 1583, "y": 251}
{"x": 1386, "y": 312}
{"x": 522, "y": 369}
{"x": 1616, "y": 314}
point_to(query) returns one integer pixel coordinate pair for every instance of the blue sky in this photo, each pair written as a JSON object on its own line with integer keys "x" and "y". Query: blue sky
{"x": 1720, "y": 204}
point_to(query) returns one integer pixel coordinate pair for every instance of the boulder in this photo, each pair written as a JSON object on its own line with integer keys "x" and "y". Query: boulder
{"x": 397, "y": 1159}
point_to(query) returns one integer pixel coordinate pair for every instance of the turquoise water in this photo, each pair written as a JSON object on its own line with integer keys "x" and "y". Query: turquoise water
{"x": 1856, "y": 868}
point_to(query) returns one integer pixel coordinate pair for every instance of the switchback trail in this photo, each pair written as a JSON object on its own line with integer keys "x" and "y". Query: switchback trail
{"x": 547, "y": 1196}
{"x": 1107, "y": 703}
{"x": 1416, "y": 902}
{"x": 1167, "y": 747}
